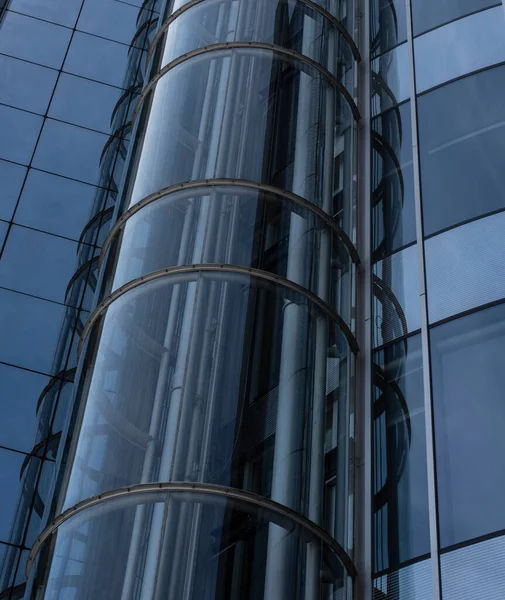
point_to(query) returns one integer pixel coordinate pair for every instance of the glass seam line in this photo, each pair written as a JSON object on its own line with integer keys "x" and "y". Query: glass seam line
{"x": 201, "y": 488}
{"x": 328, "y": 16}
{"x": 225, "y": 182}
{"x": 276, "y": 50}
{"x": 222, "y": 268}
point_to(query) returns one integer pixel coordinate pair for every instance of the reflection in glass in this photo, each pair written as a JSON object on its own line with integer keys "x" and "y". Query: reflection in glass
{"x": 469, "y": 413}
{"x": 390, "y": 79}
{"x": 388, "y": 25}
{"x": 20, "y": 131}
{"x": 462, "y": 143}
{"x": 427, "y": 14}
{"x": 410, "y": 583}
{"x": 12, "y": 177}
{"x": 63, "y": 12}
{"x": 461, "y": 47}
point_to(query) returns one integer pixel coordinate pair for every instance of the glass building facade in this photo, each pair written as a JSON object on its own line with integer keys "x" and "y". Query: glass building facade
{"x": 253, "y": 299}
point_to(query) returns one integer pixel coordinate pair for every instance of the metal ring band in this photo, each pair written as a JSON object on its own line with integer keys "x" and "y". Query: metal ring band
{"x": 198, "y": 488}
{"x": 200, "y": 183}
{"x": 316, "y": 7}
{"x": 245, "y": 45}
{"x": 206, "y": 268}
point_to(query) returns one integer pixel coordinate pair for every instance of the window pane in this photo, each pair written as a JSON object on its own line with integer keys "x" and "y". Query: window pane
{"x": 12, "y": 177}
{"x": 32, "y": 39}
{"x": 20, "y": 131}
{"x": 110, "y": 19}
{"x": 427, "y": 14}
{"x": 401, "y": 527}
{"x": 468, "y": 383}
{"x": 10, "y": 471}
{"x": 464, "y": 267}
{"x": 462, "y": 143}
{"x": 3, "y": 231}
{"x": 461, "y": 47}
{"x": 25, "y": 85}
{"x": 411, "y": 583}
{"x": 63, "y": 12}
{"x": 389, "y": 24}
{"x": 390, "y": 79}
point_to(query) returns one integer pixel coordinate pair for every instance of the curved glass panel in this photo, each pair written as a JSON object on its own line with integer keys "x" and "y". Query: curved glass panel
{"x": 388, "y": 22}
{"x": 188, "y": 545}
{"x": 390, "y": 79}
{"x": 299, "y": 28}
{"x": 220, "y": 378}
{"x": 459, "y": 48}
{"x": 240, "y": 226}
{"x": 468, "y": 380}
{"x": 462, "y": 143}
{"x": 427, "y": 14}
{"x": 248, "y": 114}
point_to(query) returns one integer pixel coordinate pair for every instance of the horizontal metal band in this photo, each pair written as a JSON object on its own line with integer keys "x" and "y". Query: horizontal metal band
{"x": 316, "y": 7}
{"x": 279, "y": 50}
{"x": 216, "y": 268}
{"x": 245, "y": 183}
{"x": 196, "y": 488}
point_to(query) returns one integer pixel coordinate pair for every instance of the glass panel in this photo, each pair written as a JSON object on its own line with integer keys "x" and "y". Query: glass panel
{"x": 97, "y": 59}
{"x": 462, "y": 142}
{"x": 10, "y": 473}
{"x": 9, "y": 558}
{"x": 396, "y": 306}
{"x": 109, "y": 19}
{"x": 468, "y": 383}
{"x": 55, "y": 204}
{"x": 410, "y": 583}
{"x": 30, "y": 329}
{"x": 83, "y": 102}
{"x": 464, "y": 267}
{"x": 388, "y": 25}
{"x": 393, "y": 218}
{"x": 20, "y": 131}
{"x": 69, "y": 150}
{"x": 12, "y": 177}
{"x": 390, "y": 79}
{"x": 63, "y": 12}
{"x": 461, "y": 47}
{"x": 401, "y": 521}
{"x": 43, "y": 496}
{"x": 427, "y": 14}
{"x": 474, "y": 571}
{"x": 4, "y": 227}
{"x": 37, "y": 263}
{"x": 25, "y": 85}
{"x": 34, "y": 40}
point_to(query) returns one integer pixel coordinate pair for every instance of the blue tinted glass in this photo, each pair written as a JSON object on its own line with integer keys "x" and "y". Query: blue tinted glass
{"x": 3, "y": 231}
{"x": 25, "y": 85}
{"x": 83, "y": 102}
{"x": 97, "y": 59}
{"x": 410, "y": 583}
{"x": 9, "y": 558}
{"x": 109, "y": 18}
{"x": 37, "y": 263}
{"x": 63, "y": 12}
{"x": 69, "y": 150}
{"x": 427, "y": 14}
{"x": 19, "y": 392}
{"x": 390, "y": 79}
{"x": 30, "y": 329}
{"x": 38, "y": 41}
{"x": 44, "y": 489}
{"x": 10, "y": 470}
{"x": 55, "y": 204}
{"x": 12, "y": 177}
{"x": 20, "y": 131}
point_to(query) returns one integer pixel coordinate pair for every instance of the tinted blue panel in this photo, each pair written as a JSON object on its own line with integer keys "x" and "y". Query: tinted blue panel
{"x": 10, "y": 469}
{"x": 97, "y": 59}
{"x": 19, "y": 392}
{"x": 84, "y": 102}
{"x": 44, "y": 490}
{"x": 55, "y": 204}
{"x": 25, "y": 85}
{"x": 70, "y": 151}
{"x": 427, "y": 14}
{"x": 12, "y": 177}
{"x": 110, "y": 19}
{"x": 3, "y": 231}
{"x": 20, "y": 131}
{"x": 37, "y": 263}
{"x": 35, "y": 40}
{"x": 30, "y": 328}
{"x": 63, "y": 12}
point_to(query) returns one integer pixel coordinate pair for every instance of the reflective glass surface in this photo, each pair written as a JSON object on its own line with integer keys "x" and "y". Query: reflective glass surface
{"x": 401, "y": 527}
{"x": 70, "y": 151}
{"x": 55, "y": 204}
{"x": 459, "y": 48}
{"x": 462, "y": 142}
{"x": 410, "y": 583}
{"x": 97, "y": 17}
{"x": 390, "y": 79}
{"x": 9, "y": 559}
{"x": 20, "y": 131}
{"x": 469, "y": 413}
{"x": 427, "y": 14}
{"x": 25, "y": 85}
{"x": 35, "y": 40}
{"x": 10, "y": 473}
{"x": 464, "y": 267}
{"x": 388, "y": 25}
{"x": 3, "y": 231}
{"x": 12, "y": 177}
{"x": 63, "y": 12}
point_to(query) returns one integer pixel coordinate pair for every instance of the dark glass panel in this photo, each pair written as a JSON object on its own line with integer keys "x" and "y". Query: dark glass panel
{"x": 63, "y": 12}
{"x": 3, "y": 232}
{"x": 469, "y": 410}
{"x": 462, "y": 143}
{"x": 12, "y": 177}
{"x": 43, "y": 496}
{"x": 32, "y": 39}
{"x": 390, "y": 79}
{"x": 388, "y": 24}
{"x": 410, "y": 583}
{"x": 96, "y": 58}
{"x": 55, "y": 204}
{"x": 19, "y": 133}
{"x": 11, "y": 464}
{"x": 25, "y": 85}
{"x": 9, "y": 558}
{"x": 427, "y": 14}
{"x": 70, "y": 150}
{"x": 110, "y": 19}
